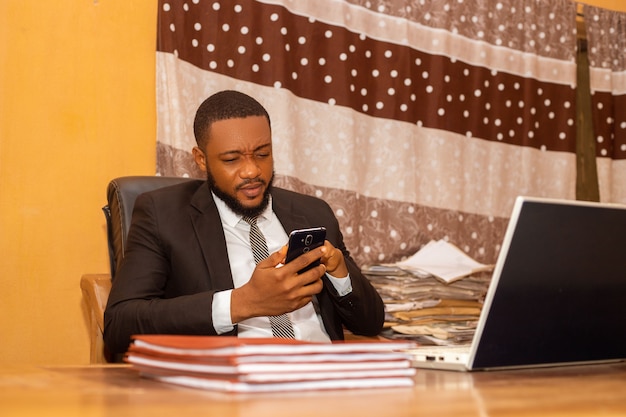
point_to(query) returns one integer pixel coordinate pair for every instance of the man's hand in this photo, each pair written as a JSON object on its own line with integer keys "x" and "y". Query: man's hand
{"x": 274, "y": 290}
{"x": 334, "y": 261}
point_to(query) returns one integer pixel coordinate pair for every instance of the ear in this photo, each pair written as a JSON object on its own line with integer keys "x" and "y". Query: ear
{"x": 199, "y": 158}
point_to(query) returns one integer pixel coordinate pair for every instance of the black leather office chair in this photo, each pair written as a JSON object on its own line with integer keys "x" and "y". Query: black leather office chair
{"x": 121, "y": 195}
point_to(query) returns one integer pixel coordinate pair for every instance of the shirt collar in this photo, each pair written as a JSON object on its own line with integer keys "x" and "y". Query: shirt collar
{"x": 231, "y": 218}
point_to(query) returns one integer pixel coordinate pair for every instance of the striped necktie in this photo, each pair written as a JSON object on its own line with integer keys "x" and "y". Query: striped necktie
{"x": 281, "y": 325}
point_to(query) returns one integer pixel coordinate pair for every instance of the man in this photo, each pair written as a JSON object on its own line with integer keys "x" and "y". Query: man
{"x": 189, "y": 266}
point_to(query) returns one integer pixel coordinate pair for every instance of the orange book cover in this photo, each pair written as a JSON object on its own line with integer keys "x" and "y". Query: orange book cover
{"x": 191, "y": 345}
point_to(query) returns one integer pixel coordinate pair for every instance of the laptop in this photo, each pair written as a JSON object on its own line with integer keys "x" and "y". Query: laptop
{"x": 557, "y": 295}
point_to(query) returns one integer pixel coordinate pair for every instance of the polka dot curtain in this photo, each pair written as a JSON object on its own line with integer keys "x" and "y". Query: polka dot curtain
{"x": 606, "y": 46}
{"x": 414, "y": 120}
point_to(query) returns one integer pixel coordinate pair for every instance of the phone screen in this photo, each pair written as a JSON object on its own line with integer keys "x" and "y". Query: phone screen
{"x": 302, "y": 241}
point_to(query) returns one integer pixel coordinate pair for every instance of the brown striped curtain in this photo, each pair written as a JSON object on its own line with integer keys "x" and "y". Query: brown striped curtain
{"x": 606, "y": 49}
{"x": 415, "y": 120}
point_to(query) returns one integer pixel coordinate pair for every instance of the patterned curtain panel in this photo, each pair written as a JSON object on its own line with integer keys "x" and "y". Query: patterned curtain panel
{"x": 606, "y": 46}
{"x": 413, "y": 120}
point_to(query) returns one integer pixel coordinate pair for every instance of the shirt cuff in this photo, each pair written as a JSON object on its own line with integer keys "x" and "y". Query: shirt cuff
{"x": 342, "y": 285}
{"x": 222, "y": 322}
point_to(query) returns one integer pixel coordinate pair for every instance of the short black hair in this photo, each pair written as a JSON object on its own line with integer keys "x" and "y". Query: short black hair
{"x": 224, "y": 105}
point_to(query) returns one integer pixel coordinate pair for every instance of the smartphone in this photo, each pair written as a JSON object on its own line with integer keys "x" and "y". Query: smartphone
{"x": 303, "y": 240}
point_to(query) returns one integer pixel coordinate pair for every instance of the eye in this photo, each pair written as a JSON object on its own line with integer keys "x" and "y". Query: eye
{"x": 230, "y": 160}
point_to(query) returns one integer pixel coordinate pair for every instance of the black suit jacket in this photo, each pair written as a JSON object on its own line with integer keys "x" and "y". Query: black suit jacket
{"x": 176, "y": 259}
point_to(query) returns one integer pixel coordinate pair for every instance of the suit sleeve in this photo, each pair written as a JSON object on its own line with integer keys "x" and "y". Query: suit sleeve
{"x": 142, "y": 299}
{"x": 362, "y": 311}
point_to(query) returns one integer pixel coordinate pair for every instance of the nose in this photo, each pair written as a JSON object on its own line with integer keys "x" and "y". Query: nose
{"x": 250, "y": 168}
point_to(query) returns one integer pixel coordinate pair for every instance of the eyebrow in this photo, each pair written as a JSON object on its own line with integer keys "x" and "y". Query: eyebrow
{"x": 258, "y": 148}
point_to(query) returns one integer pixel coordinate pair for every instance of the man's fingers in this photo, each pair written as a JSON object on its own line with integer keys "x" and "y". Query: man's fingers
{"x": 304, "y": 260}
{"x": 273, "y": 260}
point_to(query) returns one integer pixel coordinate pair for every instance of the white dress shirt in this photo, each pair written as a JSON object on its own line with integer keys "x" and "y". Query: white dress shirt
{"x": 306, "y": 321}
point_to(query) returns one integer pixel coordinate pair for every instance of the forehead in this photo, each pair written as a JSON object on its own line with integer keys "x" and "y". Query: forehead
{"x": 238, "y": 134}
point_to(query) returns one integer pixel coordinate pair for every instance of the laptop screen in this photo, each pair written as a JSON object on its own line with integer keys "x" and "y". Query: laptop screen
{"x": 559, "y": 287}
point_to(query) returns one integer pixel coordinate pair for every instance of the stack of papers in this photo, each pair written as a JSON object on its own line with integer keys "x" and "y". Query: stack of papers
{"x": 433, "y": 297}
{"x": 233, "y": 364}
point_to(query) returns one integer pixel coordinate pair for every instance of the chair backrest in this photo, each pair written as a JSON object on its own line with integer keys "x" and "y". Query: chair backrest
{"x": 121, "y": 195}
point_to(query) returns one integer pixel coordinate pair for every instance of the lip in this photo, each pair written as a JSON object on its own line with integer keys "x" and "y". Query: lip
{"x": 252, "y": 191}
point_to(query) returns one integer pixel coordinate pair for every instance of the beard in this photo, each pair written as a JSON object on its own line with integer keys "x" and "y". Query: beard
{"x": 234, "y": 204}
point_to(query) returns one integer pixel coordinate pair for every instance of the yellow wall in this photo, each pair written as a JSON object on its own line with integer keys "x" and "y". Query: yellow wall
{"x": 77, "y": 107}
{"x": 619, "y": 5}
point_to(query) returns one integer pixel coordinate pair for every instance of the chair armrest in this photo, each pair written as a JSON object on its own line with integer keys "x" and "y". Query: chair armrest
{"x": 96, "y": 289}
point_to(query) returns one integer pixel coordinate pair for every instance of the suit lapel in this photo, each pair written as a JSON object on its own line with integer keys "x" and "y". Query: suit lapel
{"x": 283, "y": 208}
{"x": 210, "y": 235}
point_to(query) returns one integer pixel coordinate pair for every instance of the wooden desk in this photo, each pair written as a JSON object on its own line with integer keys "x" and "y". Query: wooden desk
{"x": 117, "y": 391}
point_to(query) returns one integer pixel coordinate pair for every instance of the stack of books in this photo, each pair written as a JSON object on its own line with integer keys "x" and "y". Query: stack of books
{"x": 232, "y": 364}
